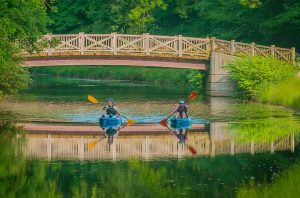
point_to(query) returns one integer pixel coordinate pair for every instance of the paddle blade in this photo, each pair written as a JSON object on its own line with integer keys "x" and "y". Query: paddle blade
{"x": 164, "y": 122}
{"x": 91, "y": 145}
{"x": 92, "y": 99}
{"x": 192, "y": 96}
{"x": 192, "y": 150}
{"x": 130, "y": 121}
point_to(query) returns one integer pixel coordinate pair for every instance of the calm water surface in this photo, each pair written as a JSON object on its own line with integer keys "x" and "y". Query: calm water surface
{"x": 243, "y": 150}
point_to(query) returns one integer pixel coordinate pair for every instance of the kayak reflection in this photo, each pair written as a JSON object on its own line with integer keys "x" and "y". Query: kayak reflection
{"x": 111, "y": 127}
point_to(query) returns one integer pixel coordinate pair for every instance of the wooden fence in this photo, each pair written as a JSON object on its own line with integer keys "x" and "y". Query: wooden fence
{"x": 154, "y": 45}
{"x": 147, "y": 147}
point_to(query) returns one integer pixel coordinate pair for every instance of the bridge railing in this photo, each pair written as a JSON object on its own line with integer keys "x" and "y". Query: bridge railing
{"x": 157, "y": 46}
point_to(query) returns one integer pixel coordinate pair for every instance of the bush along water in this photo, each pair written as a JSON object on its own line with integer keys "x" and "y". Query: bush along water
{"x": 261, "y": 78}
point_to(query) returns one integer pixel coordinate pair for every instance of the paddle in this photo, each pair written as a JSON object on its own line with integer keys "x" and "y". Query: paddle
{"x": 91, "y": 145}
{"x": 129, "y": 121}
{"x": 191, "y": 148}
{"x": 92, "y": 99}
{"x": 95, "y": 101}
{"x": 191, "y": 97}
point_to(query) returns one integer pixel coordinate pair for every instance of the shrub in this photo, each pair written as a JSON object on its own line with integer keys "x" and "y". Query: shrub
{"x": 196, "y": 79}
{"x": 252, "y": 73}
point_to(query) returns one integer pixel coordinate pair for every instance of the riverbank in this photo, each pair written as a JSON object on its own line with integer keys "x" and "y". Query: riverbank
{"x": 178, "y": 77}
{"x": 286, "y": 93}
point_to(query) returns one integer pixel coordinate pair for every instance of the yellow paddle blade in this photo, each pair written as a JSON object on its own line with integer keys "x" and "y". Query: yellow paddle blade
{"x": 130, "y": 121}
{"x": 91, "y": 145}
{"x": 92, "y": 99}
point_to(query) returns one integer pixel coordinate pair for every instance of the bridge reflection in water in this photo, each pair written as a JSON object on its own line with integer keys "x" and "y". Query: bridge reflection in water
{"x": 146, "y": 146}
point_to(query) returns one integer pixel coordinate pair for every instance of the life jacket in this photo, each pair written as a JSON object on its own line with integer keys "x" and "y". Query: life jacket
{"x": 111, "y": 111}
{"x": 182, "y": 108}
{"x": 111, "y": 131}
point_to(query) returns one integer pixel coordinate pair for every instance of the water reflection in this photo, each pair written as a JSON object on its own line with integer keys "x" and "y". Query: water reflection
{"x": 61, "y": 164}
{"x": 151, "y": 142}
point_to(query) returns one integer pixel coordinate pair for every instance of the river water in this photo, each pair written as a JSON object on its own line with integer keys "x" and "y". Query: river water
{"x": 243, "y": 149}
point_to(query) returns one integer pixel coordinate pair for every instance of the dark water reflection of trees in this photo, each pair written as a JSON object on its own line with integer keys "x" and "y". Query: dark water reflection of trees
{"x": 191, "y": 177}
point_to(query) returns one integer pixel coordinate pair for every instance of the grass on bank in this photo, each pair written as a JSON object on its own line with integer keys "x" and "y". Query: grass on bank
{"x": 285, "y": 93}
{"x": 167, "y": 76}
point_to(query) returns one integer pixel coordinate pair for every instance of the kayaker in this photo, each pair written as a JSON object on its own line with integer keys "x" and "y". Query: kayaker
{"x": 181, "y": 110}
{"x": 111, "y": 108}
{"x": 111, "y": 133}
{"x": 181, "y": 134}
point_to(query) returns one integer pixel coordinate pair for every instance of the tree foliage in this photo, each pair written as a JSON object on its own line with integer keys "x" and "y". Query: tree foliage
{"x": 21, "y": 24}
{"x": 252, "y": 73}
{"x": 265, "y": 22}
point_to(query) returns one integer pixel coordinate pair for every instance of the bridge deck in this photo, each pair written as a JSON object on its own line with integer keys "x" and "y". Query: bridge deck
{"x": 114, "y": 60}
{"x": 95, "y": 129}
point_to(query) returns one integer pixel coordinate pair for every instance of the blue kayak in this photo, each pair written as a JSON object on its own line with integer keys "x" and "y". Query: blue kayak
{"x": 110, "y": 122}
{"x": 180, "y": 123}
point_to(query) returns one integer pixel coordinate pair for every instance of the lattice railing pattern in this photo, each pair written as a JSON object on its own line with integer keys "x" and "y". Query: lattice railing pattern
{"x": 156, "y": 46}
{"x": 144, "y": 147}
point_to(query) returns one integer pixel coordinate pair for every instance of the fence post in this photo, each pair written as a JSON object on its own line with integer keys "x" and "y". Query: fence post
{"x": 81, "y": 42}
{"x": 147, "y": 44}
{"x": 293, "y": 55}
{"x": 232, "y": 147}
{"x": 114, "y": 43}
{"x": 293, "y": 143}
{"x": 213, "y": 44}
{"x": 180, "y": 45}
{"x": 49, "y": 50}
{"x": 273, "y": 50}
{"x": 252, "y": 147}
{"x": 232, "y": 47}
{"x": 272, "y": 148}
{"x": 252, "y": 49}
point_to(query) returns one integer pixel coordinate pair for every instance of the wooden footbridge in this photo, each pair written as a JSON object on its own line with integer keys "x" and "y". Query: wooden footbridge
{"x": 151, "y": 50}
{"x": 145, "y": 145}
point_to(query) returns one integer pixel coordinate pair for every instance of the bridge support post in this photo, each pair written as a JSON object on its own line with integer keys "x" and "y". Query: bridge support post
{"x": 146, "y": 44}
{"x": 49, "y": 147}
{"x": 218, "y": 82}
{"x": 293, "y": 55}
{"x": 114, "y": 43}
{"x": 180, "y": 46}
{"x": 81, "y": 42}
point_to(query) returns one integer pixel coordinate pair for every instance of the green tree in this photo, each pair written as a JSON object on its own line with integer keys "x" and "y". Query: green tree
{"x": 142, "y": 17}
{"x": 21, "y": 24}
{"x": 265, "y": 22}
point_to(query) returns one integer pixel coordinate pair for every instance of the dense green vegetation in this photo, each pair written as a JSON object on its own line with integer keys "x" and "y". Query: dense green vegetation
{"x": 262, "y": 21}
{"x": 179, "y": 77}
{"x": 254, "y": 73}
{"x": 285, "y": 186}
{"x": 21, "y": 24}
{"x": 266, "y": 79}
{"x": 285, "y": 93}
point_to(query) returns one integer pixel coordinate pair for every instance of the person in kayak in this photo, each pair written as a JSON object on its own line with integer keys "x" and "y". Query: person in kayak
{"x": 181, "y": 110}
{"x": 181, "y": 134}
{"x": 111, "y": 133}
{"x": 111, "y": 108}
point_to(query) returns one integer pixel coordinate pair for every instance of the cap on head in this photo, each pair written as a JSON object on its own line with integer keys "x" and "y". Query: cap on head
{"x": 181, "y": 102}
{"x": 110, "y": 100}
